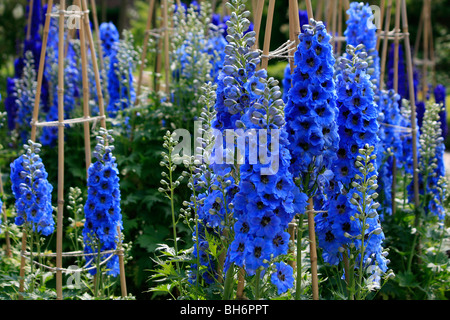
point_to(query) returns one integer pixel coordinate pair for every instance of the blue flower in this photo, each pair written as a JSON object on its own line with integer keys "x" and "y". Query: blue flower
{"x": 32, "y": 191}
{"x": 283, "y": 277}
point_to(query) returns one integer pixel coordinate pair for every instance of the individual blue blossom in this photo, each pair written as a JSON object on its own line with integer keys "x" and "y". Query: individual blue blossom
{"x": 283, "y": 277}
{"x": 102, "y": 208}
{"x": 32, "y": 191}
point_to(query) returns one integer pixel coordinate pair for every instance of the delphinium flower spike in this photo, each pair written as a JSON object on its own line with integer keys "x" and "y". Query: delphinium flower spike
{"x": 363, "y": 253}
{"x": 249, "y": 100}
{"x": 358, "y": 126}
{"x": 311, "y": 114}
{"x": 390, "y": 148}
{"x": 32, "y": 191}
{"x": 122, "y": 61}
{"x": 102, "y": 208}
{"x": 440, "y": 98}
{"x": 431, "y": 162}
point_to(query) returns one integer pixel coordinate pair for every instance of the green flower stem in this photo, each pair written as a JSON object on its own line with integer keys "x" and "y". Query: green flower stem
{"x": 258, "y": 284}
{"x": 172, "y": 207}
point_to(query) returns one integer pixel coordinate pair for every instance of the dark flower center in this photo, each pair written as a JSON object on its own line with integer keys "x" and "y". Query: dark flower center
{"x": 346, "y": 226}
{"x": 277, "y": 241}
{"x": 257, "y": 252}
{"x": 329, "y": 236}
{"x": 260, "y": 205}
{"x": 265, "y": 221}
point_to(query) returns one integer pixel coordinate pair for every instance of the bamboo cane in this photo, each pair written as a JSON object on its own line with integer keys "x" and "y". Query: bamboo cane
{"x": 166, "y": 46}
{"x": 382, "y": 4}
{"x": 85, "y": 84}
{"x": 319, "y": 10}
{"x": 258, "y": 18}
{"x": 101, "y": 105}
{"x": 385, "y": 43}
{"x": 333, "y": 25}
{"x": 241, "y": 284}
{"x": 159, "y": 59}
{"x": 30, "y": 16}
{"x": 396, "y": 67}
{"x": 267, "y": 36}
{"x": 313, "y": 250}
{"x": 425, "y": 51}
{"x": 413, "y": 103}
{"x": 60, "y": 212}
{"x": 309, "y": 9}
{"x": 97, "y": 32}
{"x": 144, "y": 49}
{"x": 339, "y": 45}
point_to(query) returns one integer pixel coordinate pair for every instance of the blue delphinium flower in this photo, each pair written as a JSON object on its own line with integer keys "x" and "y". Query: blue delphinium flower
{"x": 32, "y": 191}
{"x": 440, "y": 97}
{"x": 391, "y": 145}
{"x": 359, "y": 32}
{"x": 431, "y": 162}
{"x": 406, "y": 158}
{"x": 263, "y": 206}
{"x": 102, "y": 209}
{"x": 122, "y": 62}
{"x": 358, "y": 126}
{"x": 311, "y": 110}
{"x": 402, "y": 85}
{"x": 25, "y": 96}
{"x": 109, "y": 35}
{"x": 283, "y": 277}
